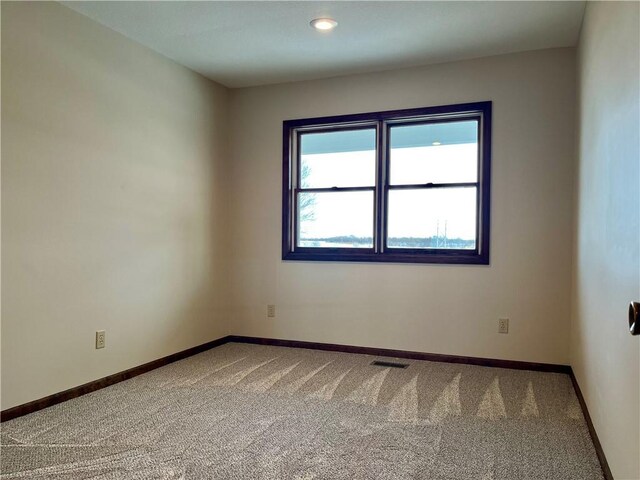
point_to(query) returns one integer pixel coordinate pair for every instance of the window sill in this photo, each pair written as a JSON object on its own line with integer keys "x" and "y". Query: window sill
{"x": 448, "y": 258}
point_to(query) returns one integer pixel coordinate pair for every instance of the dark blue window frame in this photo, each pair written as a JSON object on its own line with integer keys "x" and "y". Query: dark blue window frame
{"x": 383, "y": 122}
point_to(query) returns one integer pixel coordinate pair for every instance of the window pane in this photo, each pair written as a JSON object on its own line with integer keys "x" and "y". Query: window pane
{"x": 338, "y": 159}
{"x": 432, "y": 218}
{"x": 335, "y": 219}
{"x": 434, "y": 153}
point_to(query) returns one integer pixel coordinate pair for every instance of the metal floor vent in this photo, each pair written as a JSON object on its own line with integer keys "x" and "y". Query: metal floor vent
{"x": 379, "y": 363}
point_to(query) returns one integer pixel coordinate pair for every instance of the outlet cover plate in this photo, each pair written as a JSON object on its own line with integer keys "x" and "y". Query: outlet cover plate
{"x": 503, "y": 325}
{"x": 101, "y": 339}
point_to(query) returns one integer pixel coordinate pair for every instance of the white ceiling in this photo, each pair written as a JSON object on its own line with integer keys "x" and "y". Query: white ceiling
{"x": 240, "y": 43}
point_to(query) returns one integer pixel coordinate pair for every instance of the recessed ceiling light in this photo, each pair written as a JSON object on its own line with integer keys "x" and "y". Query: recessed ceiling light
{"x": 323, "y": 24}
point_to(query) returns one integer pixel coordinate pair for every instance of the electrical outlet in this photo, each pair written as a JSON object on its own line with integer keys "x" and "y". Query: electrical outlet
{"x": 503, "y": 325}
{"x": 271, "y": 311}
{"x": 100, "y": 339}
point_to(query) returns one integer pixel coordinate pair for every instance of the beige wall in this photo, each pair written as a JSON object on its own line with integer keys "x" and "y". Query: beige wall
{"x": 443, "y": 309}
{"x": 605, "y": 358}
{"x": 113, "y": 201}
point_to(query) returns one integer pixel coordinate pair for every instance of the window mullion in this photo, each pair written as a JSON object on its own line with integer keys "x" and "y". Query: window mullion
{"x": 380, "y": 190}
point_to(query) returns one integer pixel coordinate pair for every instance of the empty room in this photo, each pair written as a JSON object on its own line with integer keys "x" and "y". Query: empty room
{"x": 300, "y": 240}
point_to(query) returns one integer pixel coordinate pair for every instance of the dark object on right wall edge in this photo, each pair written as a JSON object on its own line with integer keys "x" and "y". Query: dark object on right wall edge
{"x": 634, "y": 318}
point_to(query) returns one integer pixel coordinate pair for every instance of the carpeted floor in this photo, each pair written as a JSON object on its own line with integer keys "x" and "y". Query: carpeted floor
{"x": 255, "y": 412}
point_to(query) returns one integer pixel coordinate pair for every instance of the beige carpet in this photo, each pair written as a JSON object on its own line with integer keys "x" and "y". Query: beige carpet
{"x": 255, "y": 412}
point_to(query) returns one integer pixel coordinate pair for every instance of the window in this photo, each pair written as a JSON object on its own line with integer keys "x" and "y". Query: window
{"x": 397, "y": 186}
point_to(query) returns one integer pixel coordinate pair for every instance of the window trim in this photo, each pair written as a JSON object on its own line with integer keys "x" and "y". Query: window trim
{"x": 383, "y": 121}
